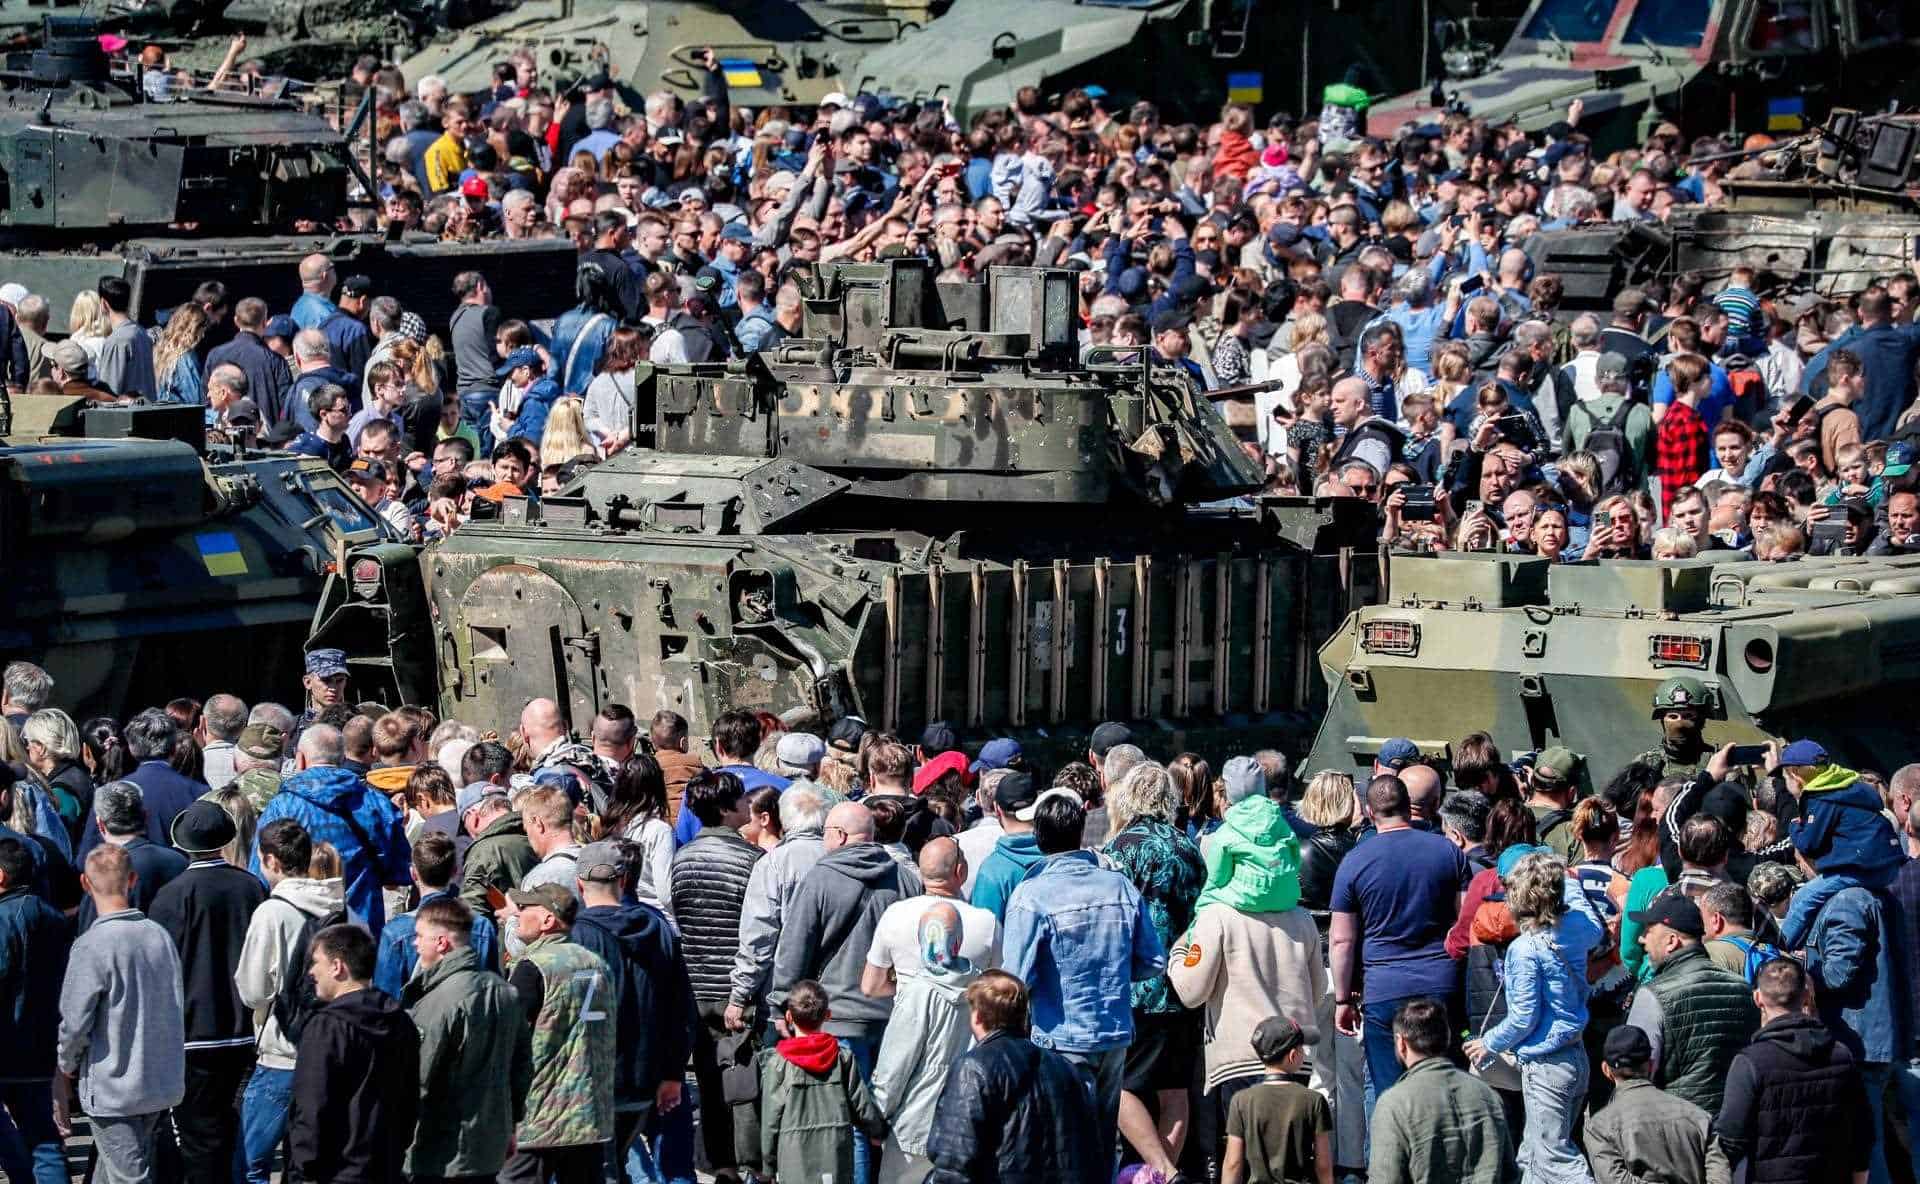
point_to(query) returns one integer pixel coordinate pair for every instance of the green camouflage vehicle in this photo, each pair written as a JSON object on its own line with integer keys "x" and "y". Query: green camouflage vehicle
{"x": 1538, "y": 654}
{"x": 1708, "y": 65}
{"x": 98, "y": 179}
{"x": 142, "y": 564}
{"x": 926, "y": 507}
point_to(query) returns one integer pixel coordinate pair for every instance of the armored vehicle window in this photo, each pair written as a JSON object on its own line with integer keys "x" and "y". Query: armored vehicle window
{"x": 1782, "y": 26}
{"x": 332, "y": 500}
{"x": 1570, "y": 20}
{"x": 1668, "y": 22}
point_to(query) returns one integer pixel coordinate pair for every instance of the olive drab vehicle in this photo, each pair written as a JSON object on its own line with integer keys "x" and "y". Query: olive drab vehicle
{"x": 99, "y": 178}
{"x": 1576, "y": 654}
{"x": 1707, "y": 65}
{"x": 925, "y": 507}
{"x": 143, "y": 563}
{"x": 1825, "y": 212}
{"x": 771, "y": 52}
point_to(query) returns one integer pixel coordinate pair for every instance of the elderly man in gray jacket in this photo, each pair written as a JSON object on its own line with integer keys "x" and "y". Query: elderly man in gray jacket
{"x": 770, "y": 888}
{"x": 122, "y": 1026}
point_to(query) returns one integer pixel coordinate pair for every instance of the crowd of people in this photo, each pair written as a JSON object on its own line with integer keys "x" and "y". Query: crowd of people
{"x": 351, "y": 943}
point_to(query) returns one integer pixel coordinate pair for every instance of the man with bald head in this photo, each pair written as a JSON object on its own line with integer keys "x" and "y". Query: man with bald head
{"x": 1378, "y": 442}
{"x": 1423, "y": 794}
{"x": 828, "y": 930}
{"x": 925, "y": 951}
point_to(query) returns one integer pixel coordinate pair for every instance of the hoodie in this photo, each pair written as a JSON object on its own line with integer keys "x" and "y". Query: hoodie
{"x": 336, "y": 806}
{"x": 275, "y": 927}
{"x": 1253, "y": 861}
{"x": 1011, "y": 859}
{"x": 1795, "y": 1106}
{"x": 655, "y": 1010}
{"x": 812, "y": 1096}
{"x": 1840, "y": 828}
{"x": 829, "y": 929}
{"x": 347, "y": 1123}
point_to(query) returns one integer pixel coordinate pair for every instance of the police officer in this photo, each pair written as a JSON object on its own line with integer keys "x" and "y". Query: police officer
{"x": 326, "y": 684}
{"x": 1680, "y": 707}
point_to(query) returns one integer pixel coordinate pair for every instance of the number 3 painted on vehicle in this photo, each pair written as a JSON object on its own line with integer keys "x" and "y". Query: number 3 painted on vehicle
{"x": 592, "y": 979}
{"x": 1120, "y": 632}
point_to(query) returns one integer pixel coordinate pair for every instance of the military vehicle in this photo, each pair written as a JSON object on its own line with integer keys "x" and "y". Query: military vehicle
{"x": 1826, "y": 212}
{"x": 143, "y": 564}
{"x": 1537, "y": 654}
{"x": 772, "y": 52}
{"x": 1707, "y": 65}
{"x": 98, "y": 179}
{"x": 926, "y": 507}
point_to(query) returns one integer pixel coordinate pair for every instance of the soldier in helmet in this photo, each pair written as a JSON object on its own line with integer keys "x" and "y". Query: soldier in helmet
{"x": 1680, "y": 707}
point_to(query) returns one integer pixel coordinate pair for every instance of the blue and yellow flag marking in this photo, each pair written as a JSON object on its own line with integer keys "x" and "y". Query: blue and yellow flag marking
{"x": 220, "y": 551}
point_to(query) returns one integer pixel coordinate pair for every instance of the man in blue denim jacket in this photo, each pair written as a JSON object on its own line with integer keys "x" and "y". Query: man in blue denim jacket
{"x": 1080, "y": 937}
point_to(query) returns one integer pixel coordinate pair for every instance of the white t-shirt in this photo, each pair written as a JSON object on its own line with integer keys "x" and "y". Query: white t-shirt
{"x": 905, "y": 932}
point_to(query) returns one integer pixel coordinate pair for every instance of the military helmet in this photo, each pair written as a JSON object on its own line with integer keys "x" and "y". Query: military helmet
{"x": 1681, "y": 692}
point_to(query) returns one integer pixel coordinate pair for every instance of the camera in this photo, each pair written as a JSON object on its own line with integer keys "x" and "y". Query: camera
{"x": 1518, "y": 430}
{"x": 1417, "y": 503}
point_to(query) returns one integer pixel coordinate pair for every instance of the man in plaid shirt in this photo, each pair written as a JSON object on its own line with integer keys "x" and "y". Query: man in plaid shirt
{"x": 1680, "y": 448}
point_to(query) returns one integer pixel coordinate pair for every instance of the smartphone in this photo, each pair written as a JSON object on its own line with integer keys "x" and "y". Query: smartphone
{"x": 1518, "y": 430}
{"x": 951, "y": 168}
{"x": 1475, "y": 506}
{"x": 1602, "y": 520}
{"x": 1747, "y": 754}
{"x": 1472, "y": 284}
{"x": 1419, "y": 504}
{"x": 1797, "y": 410}
{"x": 496, "y": 899}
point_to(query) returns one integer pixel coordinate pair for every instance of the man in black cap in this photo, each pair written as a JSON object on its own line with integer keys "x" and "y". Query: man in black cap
{"x": 935, "y": 739}
{"x": 1006, "y": 865}
{"x": 345, "y": 328}
{"x": 1697, "y": 1016}
{"x": 206, "y": 910}
{"x": 1646, "y": 1133}
{"x": 1171, "y": 344}
{"x": 1277, "y": 1129}
{"x": 326, "y": 684}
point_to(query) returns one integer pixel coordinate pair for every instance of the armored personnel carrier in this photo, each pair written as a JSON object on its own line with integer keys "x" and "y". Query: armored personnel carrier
{"x": 926, "y": 507}
{"x": 97, "y": 178}
{"x": 1539, "y": 654}
{"x": 143, "y": 564}
{"x": 1708, "y": 65}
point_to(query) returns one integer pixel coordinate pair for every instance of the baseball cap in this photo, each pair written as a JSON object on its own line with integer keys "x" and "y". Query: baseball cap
{"x": 1511, "y": 857}
{"x": 262, "y": 742}
{"x": 70, "y": 356}
{"x": 112, "y": 42}
{"x": 1631, "y": 302}
{"x": 471, "y": 795}
{"x": 1170, "y": 321}
{"x": 602, "y": 863}
{"x": 800, "y": 751}
{"x": 998, "y": 753}
{"x": 12, "y": 293}
{"x": 413, "y": 327}
{"x": 357, "y": 285}
{"x": 693, "y": 193}
{"x": 940, "y": 766}
{"x": 1244, "y": 778}
{"x": 1899, "y": 455}
{"x": 551, "y": 897}
{"x": 669, "y": 135}
{"x": 1610, "y": 365}
{"x": 736, "y": 232}
{"x": 834, "y": 99}
{"x": 1676, "y": 912}
{"x": 938, "y": 737}
{"x": 373, "y": 472}
{"x": 1554, "y": 766}
{"x": 1016, "y": 795}
{"x": 1804, "y": 752}
{"x": 1058, "y": 791}
{"x": 281, "y": 326}
{"x": 1627, "y": 1046}
{"x": 526, "y": 355}
{"x": 1107, "y": 735}
{"x": 1397, "y": 754}
{"x": 325, "y": 663}
{"x": 847, "y": 732}
{"x": 474, "y": 186}
{"x": 1275, "y": 1037}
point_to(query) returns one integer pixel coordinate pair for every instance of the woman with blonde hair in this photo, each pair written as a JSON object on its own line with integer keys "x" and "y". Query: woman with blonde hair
{"x": 239, "y": 807}
{"x": 565, "y": 438}
{"x": 88, "y": 325}
{"x": 1545, "y": 982}
{"x": 53, "y": 746}
{"x": 176, "y": 369}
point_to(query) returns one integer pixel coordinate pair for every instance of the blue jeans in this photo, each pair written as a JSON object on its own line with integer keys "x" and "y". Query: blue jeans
{"x": 1376, "y": 1040}
{"x": 30, "y": 1149}
{"x": 1551, "y": 1088}
{"x": 476, "y": 411}
{"x": 263, "y": 1120}
{"x": 662, "y": 1153}
{"x": 1874, "y": 1077}
{"x": 865, "y": 1159}
{"x": 1103, "y": 1072}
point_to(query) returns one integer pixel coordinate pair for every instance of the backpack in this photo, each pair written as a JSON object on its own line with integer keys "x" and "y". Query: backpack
{"x": 1758, "y": 953}
{"x": 296, "y": 1000}
{"x": 1619, "y": 472}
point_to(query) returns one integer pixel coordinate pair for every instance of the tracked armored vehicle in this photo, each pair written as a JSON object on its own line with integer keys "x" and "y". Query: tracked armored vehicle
{"x": 98, "y": 179}
{"x": 1539, "y": 654}
{"x": 926, "y": 507}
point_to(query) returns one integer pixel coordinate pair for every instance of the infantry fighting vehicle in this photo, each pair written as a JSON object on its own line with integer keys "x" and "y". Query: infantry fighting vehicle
{"x": 143, "y": 564}
{"x": 924, "y": 507}
{"x": 1539, "y": 654}
{"x": 1708, "y": 65}
{"x": 98, "y": 179}
{"x": 1826, "y": 212}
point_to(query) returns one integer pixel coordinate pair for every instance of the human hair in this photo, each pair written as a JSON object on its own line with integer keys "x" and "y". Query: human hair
{"x": 1843, "y": 363}
{"x": 667, "y": 729}
{"x": 1595, "y": 820}
{"x": 485, "y": 761}
{"x": 1145, "y": 792}
{"x": 565, "y": 437}
{"x": 1474, "y": 759}
{"x": 1687, "y": 371}
{"x": 998, "y": 1002}
{"x": 430, "y": 788}
{"x": 120, "y": 808}
{"x": 185, "y": 328}
{"x": 807, "y": 1004}
{"x": 639, "y": 793}
{"x": 890, "y": 761}
{"x": 350, "y": 945}
{"x": 109, "y": 870}
{"x": 240, "y": 808}
{"x": 434, "y": 859}
{"x": 323, "y": 744}
{"x": 551, "y": 804}
{"x": 1732, "y": 902}
{"x": 394, "y": 736}
{"x": 87, "y": 315}
{"x": 1059, "y": 823}
{"x": 1329, "y": 799}
{"x": 1193, "y": 782}
{"x": 1387, "y": 798}
{"x": 54, "y": 730}
{"x": 1705, "y": 841}
{"x": 16, "y": 863}
{"x": 1465, "y": 811}
{"x": 151, "y": 735}
{"x": 1423, "y": 1024}
{"x": 104, "y": 746}
{"x": 736, "y": 734}
{"x": 1508, "y": 823}
{"x": 326, "y": 863}
{"x": 802, "y": 808}
{"x": 448, "y": 914}
{"x": 1781, "y": 985}
{"x": 289, "y": 844}
{"x": 889, "y": 817}
{"x": 1536, "y": 891}
{"x": 711, "y": 793}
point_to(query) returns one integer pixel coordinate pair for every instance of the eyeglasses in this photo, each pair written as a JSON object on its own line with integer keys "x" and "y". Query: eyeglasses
{"x": 826, "y": 829}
